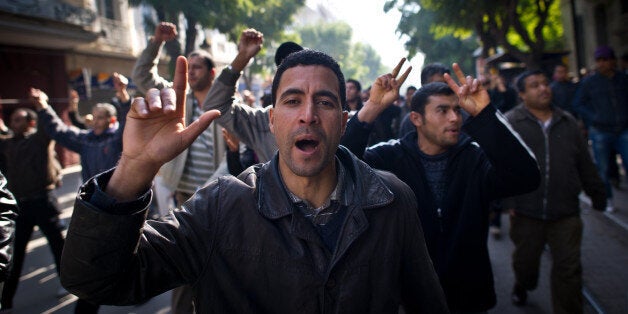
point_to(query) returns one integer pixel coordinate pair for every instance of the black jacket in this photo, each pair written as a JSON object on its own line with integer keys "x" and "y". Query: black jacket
{"x": 495, "y": 165}
{"x": 8, "y": 214}
{"x": 570, "y": 167}
{"x": 243, "y": 249}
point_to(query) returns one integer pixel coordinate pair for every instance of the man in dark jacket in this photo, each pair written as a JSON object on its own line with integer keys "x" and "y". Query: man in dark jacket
{"x": 454, "y": 177}
{"x": 551, "y": 214}
{"x": 8, "y": 214}
{"x": 314, "y": 230}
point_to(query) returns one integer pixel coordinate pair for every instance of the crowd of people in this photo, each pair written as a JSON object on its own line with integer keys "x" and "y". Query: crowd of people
{"x": 329, "y": 198}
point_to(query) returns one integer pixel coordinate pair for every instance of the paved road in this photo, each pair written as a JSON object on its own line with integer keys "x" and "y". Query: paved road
{"x": 605, "y": 263}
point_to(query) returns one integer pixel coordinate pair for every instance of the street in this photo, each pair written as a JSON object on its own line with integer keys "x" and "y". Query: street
{"x": 604, "y": 258}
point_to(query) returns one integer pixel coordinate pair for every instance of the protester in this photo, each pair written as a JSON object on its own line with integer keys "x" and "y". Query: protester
{"x": 602, "y": 102}
{"x": 296, "y": 252}
{"x": 550, "y": 215}
{"x": 203, "y": 159}
{"x": 32, "y": 174}
{"x": 100, "y": 145}
{"x": 454, "y": 172}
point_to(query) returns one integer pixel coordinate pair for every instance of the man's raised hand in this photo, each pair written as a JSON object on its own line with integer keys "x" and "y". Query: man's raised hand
{"x": 154, "y": 134}
{"x": 383, "y": 93}
{"x": 472, "y": 96}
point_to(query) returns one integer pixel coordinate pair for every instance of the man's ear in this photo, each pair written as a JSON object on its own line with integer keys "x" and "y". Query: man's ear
{"x": 416, "y": 118}
{"x": 271, "y": 119}
{"x": 113, "y": 120}
{"x": 32, "y": 123}
{"x": 345, "y": 118}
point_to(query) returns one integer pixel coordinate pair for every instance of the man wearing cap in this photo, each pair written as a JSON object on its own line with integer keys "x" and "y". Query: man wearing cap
{"x": 602, "y": 102}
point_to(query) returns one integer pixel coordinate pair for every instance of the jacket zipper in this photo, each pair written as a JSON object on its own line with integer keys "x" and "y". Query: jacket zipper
{"x": 547, "y": 169}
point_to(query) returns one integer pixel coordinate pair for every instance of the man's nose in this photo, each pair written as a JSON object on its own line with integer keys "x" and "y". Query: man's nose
{"x": 309, "y": 114}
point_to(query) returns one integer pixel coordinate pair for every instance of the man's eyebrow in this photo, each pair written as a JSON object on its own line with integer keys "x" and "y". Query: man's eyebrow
{"x": 327, "y": 93}
{"x": 291, "y": 91}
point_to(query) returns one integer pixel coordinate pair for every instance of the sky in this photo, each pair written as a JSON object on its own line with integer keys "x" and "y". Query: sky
{"x": 371, "y": 25}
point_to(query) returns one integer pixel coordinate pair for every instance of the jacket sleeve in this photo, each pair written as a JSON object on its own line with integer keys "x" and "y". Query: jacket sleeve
{"x": 513, "y": 168}
{"x": 581, "y": 103}
{"x": 591, "y": 182}
{"x": 356, "y": 136}
{"x": 145, "y": 72}
{"x": 8, "y": 214}
{"x": 70, "y": 137}
{"x": 112, "y": 255}
{"x": 250, "y": 125}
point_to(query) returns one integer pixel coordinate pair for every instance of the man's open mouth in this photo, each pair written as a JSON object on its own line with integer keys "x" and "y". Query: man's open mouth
{"x": 307, "y": 145}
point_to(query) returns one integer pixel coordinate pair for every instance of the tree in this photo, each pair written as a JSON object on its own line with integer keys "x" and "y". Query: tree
{"x": 524, "y": 28}
{"x": 358, "y": 61}
{"x": 437, "y": 43}
{"x": 227, "y": 16}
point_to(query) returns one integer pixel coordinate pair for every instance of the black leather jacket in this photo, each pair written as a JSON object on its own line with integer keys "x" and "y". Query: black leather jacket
{"x": 8, "y": 214}
{"x": 241, "y": 246}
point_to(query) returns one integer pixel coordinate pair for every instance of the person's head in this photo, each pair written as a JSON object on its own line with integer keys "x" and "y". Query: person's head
{"x": 266, "y": 100}
{"x": 560, "y": 73}
{"x": 104, "y": 116}
{"x": 605, "y": 60}
{"x": 534, "y": 90}
{"x": 437, "y": 116}
{"x": 308, "y": 115}
{"x": 623, "y": 61}
{"x": 284, "y": 50}
{"x": 366, "y": 94}
{"x": 23, "y": 120}
{"x": 248, "y": 97}
{"x": 201, "y": 70}
{"x": 409, "y": 93}
{"x": 354, "y": 90}
{"x": 433, "y": 72}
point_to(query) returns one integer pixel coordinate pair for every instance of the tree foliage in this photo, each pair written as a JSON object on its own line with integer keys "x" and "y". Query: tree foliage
{"x": 358, "y": 61}
{"x": 524, "y": 28}
{"x": 227, "y": 16}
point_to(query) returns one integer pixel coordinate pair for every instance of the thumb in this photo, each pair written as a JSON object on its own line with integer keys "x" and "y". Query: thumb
{"x": 189, "y": 134}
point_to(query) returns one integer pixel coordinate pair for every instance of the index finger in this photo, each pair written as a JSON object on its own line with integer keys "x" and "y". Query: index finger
{"x": 397, "y": 68}
{"x": 450, "y": 81}
{"x": 180, "y": 84}
{"x": 459, "y": 73}
{"x": 404, "y": 76}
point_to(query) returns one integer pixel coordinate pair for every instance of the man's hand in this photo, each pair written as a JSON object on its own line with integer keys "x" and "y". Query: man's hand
{"x": 384, "y": 92}
{"x": 249, "y": 45}
{"x": 165, "y": 31}
{"x": 155, "y": 133}
{"x": 232, "y": 141}
{"x": 472, "y": 96}
{"x": 38, "y": 98}
{"x": 120, "y": 83}
{"x": 73, "y": 100}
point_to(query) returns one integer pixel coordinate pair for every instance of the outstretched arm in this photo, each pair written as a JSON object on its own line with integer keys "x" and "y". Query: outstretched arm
{"x": 384, "y": 92}
{"x": 155, "y": 133}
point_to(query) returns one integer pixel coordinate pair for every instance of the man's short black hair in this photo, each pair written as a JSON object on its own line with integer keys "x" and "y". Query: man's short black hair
{"x": 207, "y": 57}
{"x": 520, "y": 80}
{"x": 431, "y": 69}
{"x": 422, "y": 95}
{"x": 311, "y": 57}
